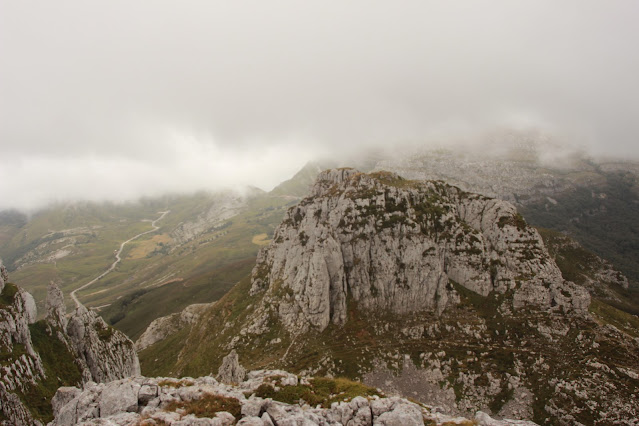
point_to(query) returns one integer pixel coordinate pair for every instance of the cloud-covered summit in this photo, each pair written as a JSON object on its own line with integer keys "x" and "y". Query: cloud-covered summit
{"x": 124, "y": 98}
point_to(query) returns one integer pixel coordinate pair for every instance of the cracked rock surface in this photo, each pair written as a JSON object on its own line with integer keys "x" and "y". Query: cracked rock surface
{"x": 153, "y": 400}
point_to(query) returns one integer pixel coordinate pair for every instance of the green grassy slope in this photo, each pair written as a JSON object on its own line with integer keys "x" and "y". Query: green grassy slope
{"x": 203, "y": 269}
{"x": 155, "y": 268}
{"x": 132, "y": 313}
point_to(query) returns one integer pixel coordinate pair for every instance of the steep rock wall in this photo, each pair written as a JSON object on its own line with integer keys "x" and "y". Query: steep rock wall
{"x": 21, "y": 367}
{"x": 394, "y": 245}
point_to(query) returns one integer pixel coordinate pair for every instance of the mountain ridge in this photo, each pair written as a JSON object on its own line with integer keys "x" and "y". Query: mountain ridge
{"x": 511, "y": 347}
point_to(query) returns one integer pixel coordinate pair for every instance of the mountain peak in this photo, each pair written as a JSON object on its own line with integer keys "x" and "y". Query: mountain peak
{"x": 398, "y": 246}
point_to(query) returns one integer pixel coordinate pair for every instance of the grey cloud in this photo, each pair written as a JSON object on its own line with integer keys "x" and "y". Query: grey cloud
{"x": 120, "y": 82}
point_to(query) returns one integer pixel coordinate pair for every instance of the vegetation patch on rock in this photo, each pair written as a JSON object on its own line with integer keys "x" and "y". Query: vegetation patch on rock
{"x": 319, "y": 391}
{"x": 208, "y": 406}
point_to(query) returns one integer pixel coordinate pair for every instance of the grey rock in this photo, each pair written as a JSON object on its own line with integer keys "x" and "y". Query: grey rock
{"x": 119, "y": 397}
{"x": 102, "y": 354}
{"x": 268, "y": 421}
{"x": 55, "y": 309}
{"x": 14, "y": 409}
{"x": 253, "y": 407}
{"x": 163, "y": 327}
{"x": 118, "y": 402}
{"x": 403, "y": 414}
{"x": 231, "y": 371}
{"x": 107, "y": 353}
{"x": 18, "y": 373}
{"x": 30, "y": 309}
{"x": 484, "y": 419}
{"x": 66, "y": 414}
{"x": 62, "y": 397}
{"x": 147, "y": 393}
{"x": 225, "y": 206}
{"x": 394, "y": 246}
{"x": 250, "y": 421}
{"x": 4, "y": 277}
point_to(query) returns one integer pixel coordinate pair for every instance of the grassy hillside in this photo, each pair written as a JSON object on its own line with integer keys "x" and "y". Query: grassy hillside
{"x": 300, "y": 183}
{"x": 133, "y": 312}
{"x": 69, "y": 244}
{"x": 194, "y": 257}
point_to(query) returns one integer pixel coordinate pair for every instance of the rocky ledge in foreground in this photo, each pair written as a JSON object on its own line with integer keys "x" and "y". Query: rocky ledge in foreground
{"x": 265, "y": 398}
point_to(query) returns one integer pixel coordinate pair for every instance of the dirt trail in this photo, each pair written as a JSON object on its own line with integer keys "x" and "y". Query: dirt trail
{"x": 117, "y": 259}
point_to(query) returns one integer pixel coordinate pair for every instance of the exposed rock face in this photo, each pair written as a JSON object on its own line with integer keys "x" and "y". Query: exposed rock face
{"x": 422, "y": 289}
{"x": 129, "y": 401}
{"x": 56, "y": 310}
{"x": 108, "y": 353}
{"x": 226, "y": 205}
{"x": 97, "y": 351}
{"x": 231, "y": 371}
{"x": 4, "y": 277}
{"x": 163, "y": 327}
{"x": 595, "y": 274}
{"x": 514, "y": 177}
{"x": 395, "y": 245}
{"x": 22, "y": 366}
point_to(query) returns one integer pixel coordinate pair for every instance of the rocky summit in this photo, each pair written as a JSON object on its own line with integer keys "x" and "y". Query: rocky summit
{"x": 395, "y": 246}
{"x": 423, "y": 290}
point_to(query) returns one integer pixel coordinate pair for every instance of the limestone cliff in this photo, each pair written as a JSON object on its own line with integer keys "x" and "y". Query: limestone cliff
{"x": 38, "y": 357}
{"x": 427, "y": 291}
{"x": 107, "y": 353}
{"x": 394, "y": 245}
{"x": 21, "y": 366}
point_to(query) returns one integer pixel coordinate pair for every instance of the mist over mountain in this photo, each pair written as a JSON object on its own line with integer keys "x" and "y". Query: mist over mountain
{"x": 428, "y": 200}
{"x": 122, "y": 100}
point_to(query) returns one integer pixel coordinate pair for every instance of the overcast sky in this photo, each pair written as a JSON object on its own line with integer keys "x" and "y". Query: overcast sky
{"x": 115, "y": 99}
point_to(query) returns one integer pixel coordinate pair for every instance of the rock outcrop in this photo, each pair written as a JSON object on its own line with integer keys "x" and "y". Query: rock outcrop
{"x": 395, "y": 246}
{"x": 168, "y": 401}
{"x": 95, "y": 351}
{"x": 107, "y": 353}
{"x": 21, "y": 366}
{"x": 4, "y": 277}
{"x": 231, "y": 371}
{"x": 224, "y": 206}
{"x": 163, "y": 327}
{"x": 54, "y": 305}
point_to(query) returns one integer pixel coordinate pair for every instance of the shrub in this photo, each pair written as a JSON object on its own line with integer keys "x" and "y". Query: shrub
{"x": 321, "y": 391}
{"x": 8, "y": 294}
{"x": 208, "y": 406}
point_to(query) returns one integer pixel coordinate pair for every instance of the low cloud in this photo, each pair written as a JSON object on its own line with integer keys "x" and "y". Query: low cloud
{"x": 121, "y": 99}
{"x": 189, "y": 164}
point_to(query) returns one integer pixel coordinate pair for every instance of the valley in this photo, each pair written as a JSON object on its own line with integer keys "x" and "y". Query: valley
{"x": 324, "y": 276}
{"x": 118, "y": 259}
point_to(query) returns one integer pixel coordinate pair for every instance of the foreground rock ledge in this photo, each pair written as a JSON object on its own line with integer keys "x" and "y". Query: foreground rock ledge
{"x": 152, "y": 401}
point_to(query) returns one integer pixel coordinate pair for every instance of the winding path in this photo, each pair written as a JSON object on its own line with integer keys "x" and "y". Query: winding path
{"x": 117, "y": 259}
